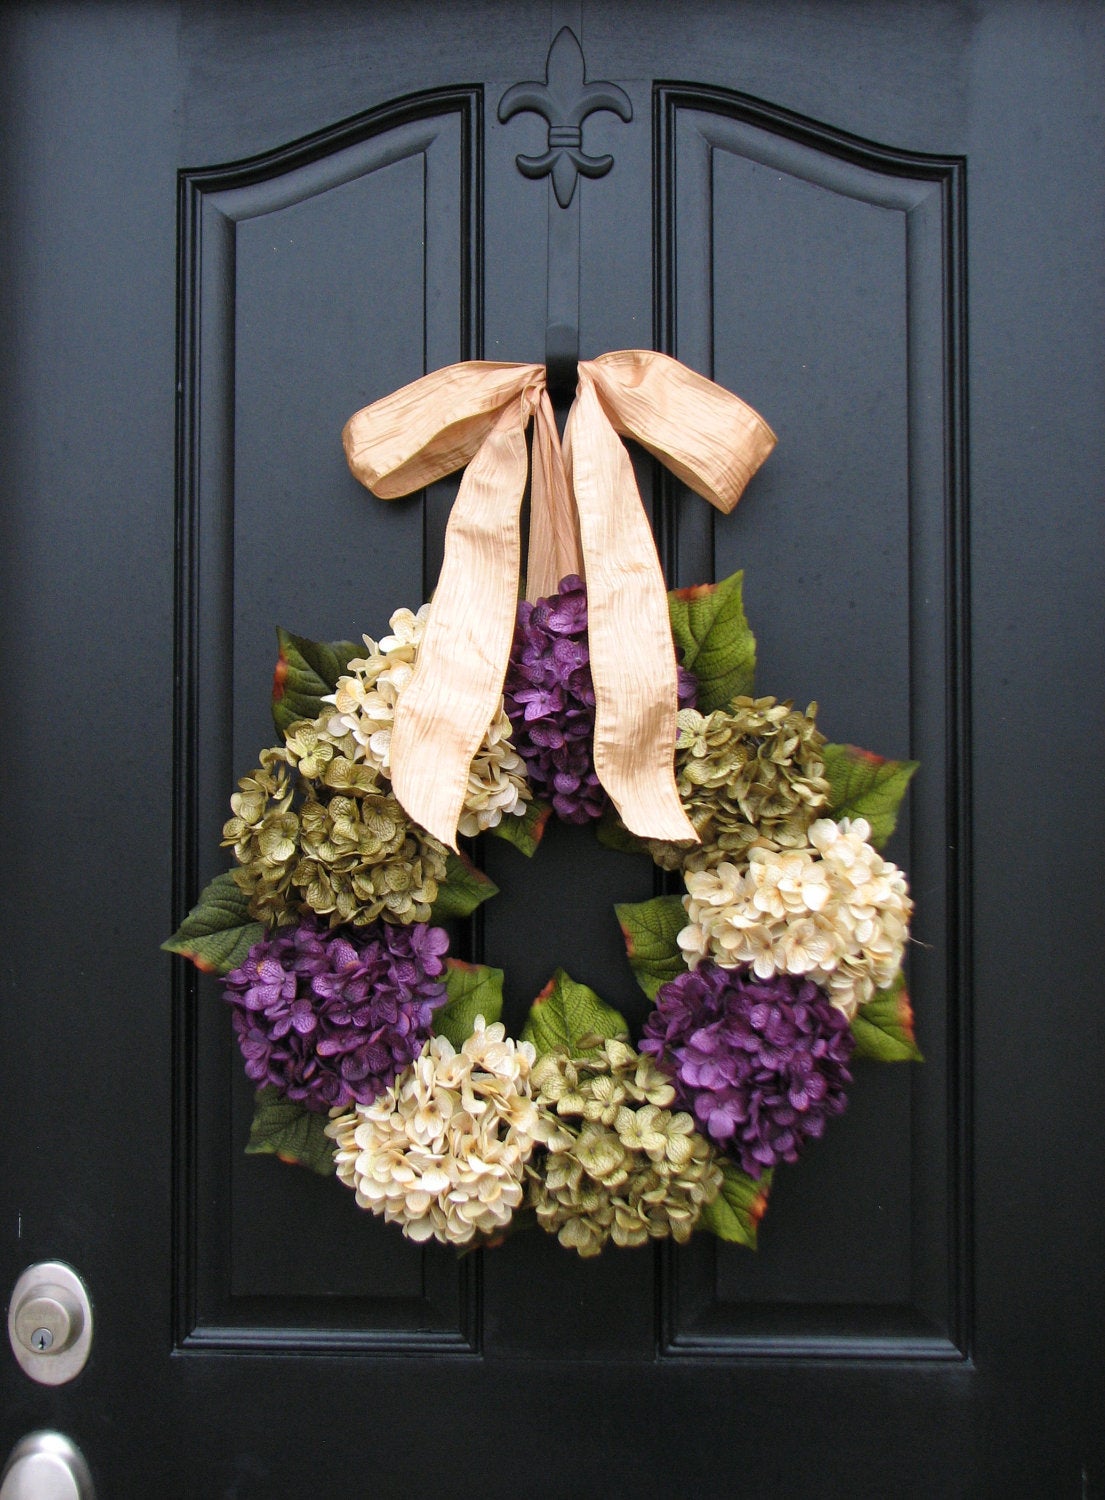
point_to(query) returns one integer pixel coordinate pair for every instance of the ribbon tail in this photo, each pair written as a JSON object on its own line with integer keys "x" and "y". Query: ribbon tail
{"x": 553, "y": 536}
{"x": 632, "y": 655}
{"x": 444, "y": 711}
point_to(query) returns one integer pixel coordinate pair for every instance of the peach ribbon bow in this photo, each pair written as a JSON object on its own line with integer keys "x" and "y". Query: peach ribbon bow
{"x": 476, "y": 414}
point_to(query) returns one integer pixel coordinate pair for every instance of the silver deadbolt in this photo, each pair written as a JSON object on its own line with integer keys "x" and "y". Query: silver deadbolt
{"x": 46, "y": 1466}
{"x": 50, "y": 1322}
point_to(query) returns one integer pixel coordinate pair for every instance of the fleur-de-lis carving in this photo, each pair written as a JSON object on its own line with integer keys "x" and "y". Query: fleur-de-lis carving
{"x": 565, "y": 99}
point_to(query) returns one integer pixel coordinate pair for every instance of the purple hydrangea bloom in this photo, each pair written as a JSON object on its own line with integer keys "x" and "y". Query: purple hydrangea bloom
{"x": 550, "y": 700}
{"x": 760, "y": 1063}
{"x": 332, "y": 1017}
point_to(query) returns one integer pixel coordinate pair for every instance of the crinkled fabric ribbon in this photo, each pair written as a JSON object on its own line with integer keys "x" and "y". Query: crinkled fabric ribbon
{"x": 476, "y": 414}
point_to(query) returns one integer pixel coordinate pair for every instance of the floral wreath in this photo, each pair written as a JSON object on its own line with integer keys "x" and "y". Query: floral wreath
{"x": 379, "y": 1058}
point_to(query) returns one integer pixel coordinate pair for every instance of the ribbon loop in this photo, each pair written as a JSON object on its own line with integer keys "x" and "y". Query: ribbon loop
{"x": 433, "y": 426}
{"x": 709, "y": 438}
{"x": 476, "y": 414}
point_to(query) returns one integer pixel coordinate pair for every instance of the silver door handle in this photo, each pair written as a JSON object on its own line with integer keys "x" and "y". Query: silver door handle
{"x": 46, "y": 1466}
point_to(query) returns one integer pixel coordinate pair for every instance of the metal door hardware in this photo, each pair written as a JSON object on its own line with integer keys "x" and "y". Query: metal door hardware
{"x": 565, "y": 99}
{"x": 46, "y": 1466}
{"x": 50, "y": 1323}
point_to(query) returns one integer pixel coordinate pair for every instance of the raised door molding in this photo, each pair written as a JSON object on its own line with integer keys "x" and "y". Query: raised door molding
{"x": 823, "y": 277}
{"x": 311, "y": 280}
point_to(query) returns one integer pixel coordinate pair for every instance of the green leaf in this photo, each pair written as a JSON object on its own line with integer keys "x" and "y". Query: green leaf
{"x": 612, "y": 833}
{"x": 285, "y": 1129}
{"x": 883, "y": 1028}
{"x": 524, "y": 833}
{"x": 305, "y": 670}
{"x": 708, "y": 624}
{"x": 735, "y": 1213}
{"x": 864, "y": 785}
{"x": 650, "y": 929}
{"x": 565, "y": 1014}
{"x": 463, "y": 889}
{"x": 474, "y": 990}
{"x": 218, "y": 932}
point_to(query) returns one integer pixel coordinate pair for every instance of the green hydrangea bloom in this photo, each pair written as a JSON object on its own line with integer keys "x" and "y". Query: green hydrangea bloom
{"x": 618, "y": 1163}
{"x": 752, "y": 773}
{"x": 316, "y": 831}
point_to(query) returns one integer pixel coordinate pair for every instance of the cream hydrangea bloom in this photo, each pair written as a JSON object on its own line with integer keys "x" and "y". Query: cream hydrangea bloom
{"x": 835, "y": 911}
{"x": 364, "y": 702}
{"x": 443, "y": 1150}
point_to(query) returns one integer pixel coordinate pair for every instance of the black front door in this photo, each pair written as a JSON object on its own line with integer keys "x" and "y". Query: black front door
{"x": 228, "y": 228}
